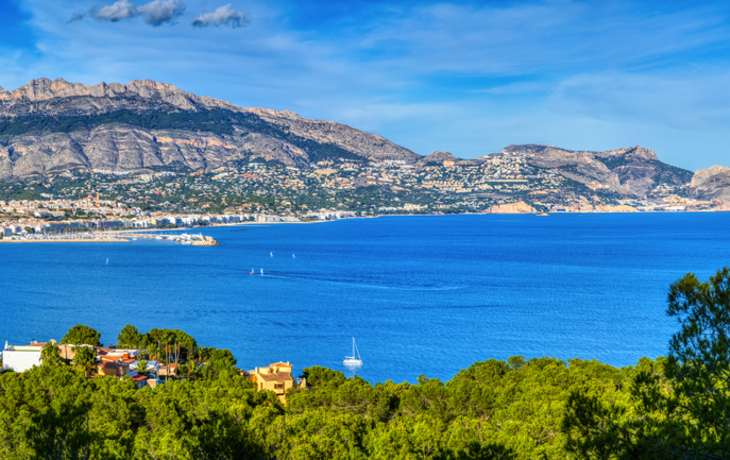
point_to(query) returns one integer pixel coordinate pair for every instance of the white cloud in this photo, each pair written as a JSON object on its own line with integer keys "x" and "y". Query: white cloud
{"x": 155, "y": 12}
{"x": 225, "y": 15}
{"x": 121, "y": 9}
{"x": 160, "y": 11}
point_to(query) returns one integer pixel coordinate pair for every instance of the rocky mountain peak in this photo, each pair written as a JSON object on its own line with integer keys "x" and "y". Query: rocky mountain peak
{"x": 637, "y": 152}
{"x": 44, "y": 89}
{"x": 531, "y": 148}
{"x": 713, "y": 174}
{"x": 712, "y": 183}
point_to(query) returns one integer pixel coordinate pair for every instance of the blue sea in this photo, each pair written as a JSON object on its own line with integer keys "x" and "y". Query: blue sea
{"x": 422, "y": 295}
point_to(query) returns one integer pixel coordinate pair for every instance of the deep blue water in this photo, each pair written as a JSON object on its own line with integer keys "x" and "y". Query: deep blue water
{"x": 422, "y": 295}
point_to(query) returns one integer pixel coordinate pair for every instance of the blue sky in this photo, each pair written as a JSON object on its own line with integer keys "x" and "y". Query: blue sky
{"x": 467, "y": 77}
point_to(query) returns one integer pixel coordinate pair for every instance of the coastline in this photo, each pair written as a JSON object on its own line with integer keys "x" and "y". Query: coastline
{"x": 67, "y": 240}
{"x": 123, "y": 233}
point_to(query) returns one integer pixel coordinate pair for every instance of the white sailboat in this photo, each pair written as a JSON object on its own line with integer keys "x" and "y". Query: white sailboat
{"x": 353, "y": 360}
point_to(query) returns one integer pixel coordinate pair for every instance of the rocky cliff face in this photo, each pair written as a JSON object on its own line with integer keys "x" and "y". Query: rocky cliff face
{"x": 511, "y": 208}
{"x": 54, "y": 125}
{"x": 632, "y": 171}
{"x": 712, "y": 183}
{"x": 124, "y": 148}
{"x": 43, "y": 96}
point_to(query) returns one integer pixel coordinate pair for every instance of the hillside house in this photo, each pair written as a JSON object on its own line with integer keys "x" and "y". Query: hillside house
{"x": 21, "y": 358}
{"x": 277, "y": 377}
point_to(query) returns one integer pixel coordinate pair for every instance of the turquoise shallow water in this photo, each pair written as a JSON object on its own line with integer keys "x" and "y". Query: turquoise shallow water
{"x": 422, "y": 295}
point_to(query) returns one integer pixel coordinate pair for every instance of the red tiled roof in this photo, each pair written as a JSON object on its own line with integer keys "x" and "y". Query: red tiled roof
{"x": 277, "y": 377}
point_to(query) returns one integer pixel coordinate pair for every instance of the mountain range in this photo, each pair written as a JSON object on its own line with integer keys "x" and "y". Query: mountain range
{"x": 52, "y": 126}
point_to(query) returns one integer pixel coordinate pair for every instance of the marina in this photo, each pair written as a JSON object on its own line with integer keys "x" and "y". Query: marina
{"x": 111, "y": 237}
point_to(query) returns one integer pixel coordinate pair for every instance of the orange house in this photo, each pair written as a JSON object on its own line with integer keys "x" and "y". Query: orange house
{"x": 277, "y": 378}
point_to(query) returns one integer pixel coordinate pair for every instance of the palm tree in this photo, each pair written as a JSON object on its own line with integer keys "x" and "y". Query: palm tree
{"x": 51, "y": 355}
{"x": 85, "y": 360}
{"x": 142, "y": 363}
{"x": 153, "y": 350}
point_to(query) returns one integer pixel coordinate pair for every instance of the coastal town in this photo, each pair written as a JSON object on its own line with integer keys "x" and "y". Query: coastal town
{"x": 95, "y": 219}
{"x": 145, "y": 369}
{"x": 86, "y": 204}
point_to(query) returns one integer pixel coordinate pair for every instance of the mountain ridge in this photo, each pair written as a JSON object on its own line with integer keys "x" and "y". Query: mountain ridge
{"x": 47, "y": 126}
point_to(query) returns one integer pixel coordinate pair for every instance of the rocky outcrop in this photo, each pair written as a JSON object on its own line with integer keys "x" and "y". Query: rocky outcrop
{"x": 445, "y": 159}
{"x": 712, "y": 183}
{"x": 36, "y": 95}
{"x": 272, "y": 135}
{"x": 511, "y": 208}
{"x": 632, "y": 171}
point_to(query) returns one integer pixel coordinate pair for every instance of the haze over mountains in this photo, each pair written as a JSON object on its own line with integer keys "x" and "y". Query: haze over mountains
{"x": 51, "y": 126}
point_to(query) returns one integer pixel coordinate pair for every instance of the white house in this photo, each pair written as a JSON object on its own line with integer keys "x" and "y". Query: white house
{"x": 22, "y": 357}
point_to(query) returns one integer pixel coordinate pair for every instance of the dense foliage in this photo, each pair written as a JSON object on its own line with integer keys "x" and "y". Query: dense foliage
{"x": 671, "y": 408}
{"x": 678, "y": 408}
{"x": 82, "y": 335}
{"x": 487, "y": 411}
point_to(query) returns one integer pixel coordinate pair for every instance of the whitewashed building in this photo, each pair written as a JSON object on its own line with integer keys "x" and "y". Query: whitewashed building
{"x": 22, "y": 357}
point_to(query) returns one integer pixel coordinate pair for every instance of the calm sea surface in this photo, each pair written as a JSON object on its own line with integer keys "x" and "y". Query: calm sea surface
{"x": 421, "y": 295}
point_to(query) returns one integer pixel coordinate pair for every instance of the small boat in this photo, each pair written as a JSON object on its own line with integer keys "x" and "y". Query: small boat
{"x": 353, "y": 360}
{"x": 262, "y": 272}
{"x": 251, "y": 272}
{"x": 272, "y": 254}
{"x": 293, "y": 256}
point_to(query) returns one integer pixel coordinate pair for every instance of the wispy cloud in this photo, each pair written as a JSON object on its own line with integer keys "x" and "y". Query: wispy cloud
{"x": 223, "y": 16}
{"x": 679, "y": 99}
{"x": 76, "y": 17}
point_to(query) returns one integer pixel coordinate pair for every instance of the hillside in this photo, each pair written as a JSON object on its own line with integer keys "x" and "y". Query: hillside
{"x": 49, "y": 128}
{"x": 630, "y": 171}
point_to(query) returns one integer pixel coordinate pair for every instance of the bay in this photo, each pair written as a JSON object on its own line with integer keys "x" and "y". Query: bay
{"x": 422, "y": 295}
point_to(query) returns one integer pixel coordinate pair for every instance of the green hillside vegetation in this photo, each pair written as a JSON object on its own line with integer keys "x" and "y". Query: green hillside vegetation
{"x": 671, "y": 408}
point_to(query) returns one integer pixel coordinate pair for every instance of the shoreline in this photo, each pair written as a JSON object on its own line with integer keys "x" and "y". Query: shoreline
{"x": 67, "y": 240}
{"x": 122, "y": 233}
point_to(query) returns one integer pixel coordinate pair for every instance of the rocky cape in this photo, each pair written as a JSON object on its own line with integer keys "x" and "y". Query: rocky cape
{"x": 51, "y": 126}
{"x": 712, "y": 183}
